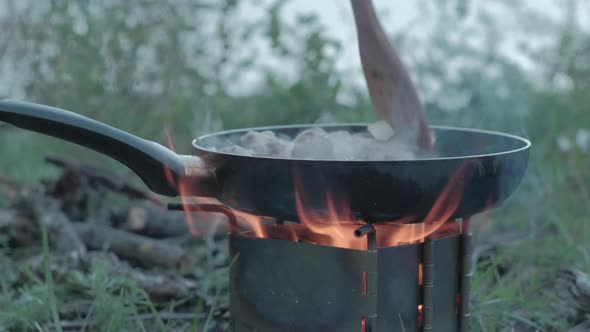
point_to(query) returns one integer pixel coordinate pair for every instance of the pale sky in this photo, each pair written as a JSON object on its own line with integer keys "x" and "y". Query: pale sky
{"x": 337, "y": 17}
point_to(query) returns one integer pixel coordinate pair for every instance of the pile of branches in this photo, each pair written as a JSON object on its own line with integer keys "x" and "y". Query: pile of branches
{"x": 573, "y": 293}
{"x": 94, "y": 217}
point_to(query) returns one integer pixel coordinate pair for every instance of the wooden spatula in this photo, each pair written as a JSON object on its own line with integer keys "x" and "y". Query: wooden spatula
{"x": 393, "y": 95}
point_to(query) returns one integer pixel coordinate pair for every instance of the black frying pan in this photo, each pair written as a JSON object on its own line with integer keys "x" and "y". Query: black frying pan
{"x": 476, "y": 169}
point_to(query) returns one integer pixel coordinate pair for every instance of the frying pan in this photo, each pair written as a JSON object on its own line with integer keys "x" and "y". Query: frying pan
{"x": 473, "y": 170}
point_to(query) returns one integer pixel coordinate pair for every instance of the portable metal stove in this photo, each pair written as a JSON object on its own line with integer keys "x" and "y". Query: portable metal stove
{"x": 281, "y": 285}
{"x": 278, "y": 285}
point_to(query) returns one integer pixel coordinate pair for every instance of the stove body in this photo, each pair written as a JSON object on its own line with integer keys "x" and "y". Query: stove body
{"x": 279, "y": 285}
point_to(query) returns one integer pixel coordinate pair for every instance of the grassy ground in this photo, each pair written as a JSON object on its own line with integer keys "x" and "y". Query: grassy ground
{"x": 541, "y": 229}
{"x": 41, "y": 292}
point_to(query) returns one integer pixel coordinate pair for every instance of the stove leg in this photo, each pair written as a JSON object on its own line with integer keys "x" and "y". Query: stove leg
{"x": 466, "y": 273}
{"x": 209, "y": 207}
{"x": 428, "y": 284}
{"x": 368, "y": 322}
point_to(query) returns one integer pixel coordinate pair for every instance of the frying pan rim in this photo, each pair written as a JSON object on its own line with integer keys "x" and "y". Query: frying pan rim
{"x": 526, "y": 142}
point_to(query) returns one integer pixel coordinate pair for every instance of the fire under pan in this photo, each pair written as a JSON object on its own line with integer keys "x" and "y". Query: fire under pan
{"x": 278, "y": 285}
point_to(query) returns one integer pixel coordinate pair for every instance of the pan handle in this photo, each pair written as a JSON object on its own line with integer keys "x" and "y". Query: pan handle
{"x": 158, "y": 167}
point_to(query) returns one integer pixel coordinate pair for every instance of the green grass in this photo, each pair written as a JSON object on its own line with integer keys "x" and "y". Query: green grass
{"x": 114, "y": 303}
{"x": 548, "y": 217}
{"x": 51, "y": 299}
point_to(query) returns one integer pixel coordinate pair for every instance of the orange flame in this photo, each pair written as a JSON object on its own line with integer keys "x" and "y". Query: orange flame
{"x": 336, "y": 229}
{"x": 255, "y": 223}
{"x": 191, "y": 204}
{"x": 183, "y": 191}
{"x": 443, "y": 209}
{"x": 335, "y": 226}
{"x": 167, "y": 171}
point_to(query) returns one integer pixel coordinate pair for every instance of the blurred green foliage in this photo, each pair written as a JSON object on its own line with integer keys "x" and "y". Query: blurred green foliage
{"x": 151, "y": 67}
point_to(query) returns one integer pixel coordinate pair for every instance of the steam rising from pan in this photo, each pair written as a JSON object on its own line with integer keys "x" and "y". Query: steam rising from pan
{"x": 317, "y": 143}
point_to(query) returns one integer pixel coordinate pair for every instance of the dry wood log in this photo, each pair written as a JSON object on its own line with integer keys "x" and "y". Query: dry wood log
{"x": 18, "y": 227}
{"x": 159, "y": 285}
{"x": 573, "y": 290}
{"x": 139, "y": 249}
{"x": 391, "y": 90}
{"x": 156, "y": 221}
{"x": 62, "y": 235}
{"x": 101, "y": 176}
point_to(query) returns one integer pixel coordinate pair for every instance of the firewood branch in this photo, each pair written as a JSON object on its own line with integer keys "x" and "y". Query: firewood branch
{"x": 110, "y": 180}
{"x": 573, "y": 290}
{"x": 49, "y": 214}
{"x": 137, "y": 248}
